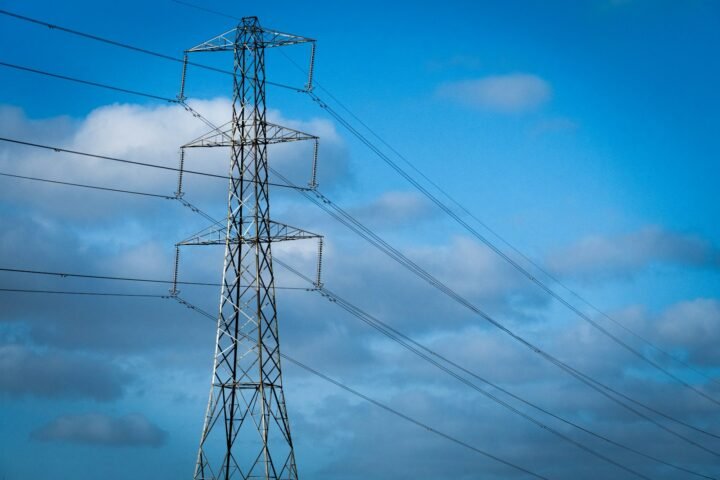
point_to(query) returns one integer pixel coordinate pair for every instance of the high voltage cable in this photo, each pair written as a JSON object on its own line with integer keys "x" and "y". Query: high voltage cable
{"x": 161, "y": 98}
{"x": 195, "y": 209}
{"x": 66, "y": 292}
{"x": 354, "y": 225}
{"x": 467, "y": 212}
{"x": 447, "y": 210}
{"x": 86, "y": 82}
{"x": 125, "y": 279}
{"x": 208, "y": 10}
{"x": 503, "y": 240}
{"x": 371, "y": 400}
{"x": 301, "y": 365}
{"x": 507, "y": 243}
{"x": 340, "y": 215}
{"x": 400, "y": 338}
{"x": 470, "y": 214}
{"x": 128, "y": 47}
{"x": 353, "y": 310}
{"x": 357, "y": 227}
{"x": 415, "y": 347}
{"x": 82, "y": 185}
{"x": 592, "y": 383}
{"x": 57, "y": 149}
{"x": 483, "y": 224}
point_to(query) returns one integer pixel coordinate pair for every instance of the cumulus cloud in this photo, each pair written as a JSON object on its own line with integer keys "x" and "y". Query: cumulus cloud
{"x": 101, "y": 429}
{"x": 145, "y": 133}
{"x": 603, "y": 256}
{"x": 170, "y": 348}
{"x": 56, "y": 374}
{"x": 514, "y": 93}
{"x": 394, "y": 208}
{"x": 693, "y": 326}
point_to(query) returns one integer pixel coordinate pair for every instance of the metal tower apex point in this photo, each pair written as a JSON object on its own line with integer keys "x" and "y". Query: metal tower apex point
{"x": 249, "y": 33}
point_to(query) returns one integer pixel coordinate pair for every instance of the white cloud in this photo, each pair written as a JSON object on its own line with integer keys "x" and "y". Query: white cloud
{"x": 694, "y": 326}
{"x": 603, "y": 256}
{"x": 151, "y": 134}
{"x": 101, "y": 429}
{"x": 58, "y": 374}
{"x": 395, "y": 208}
{"x": 514, "y": 93}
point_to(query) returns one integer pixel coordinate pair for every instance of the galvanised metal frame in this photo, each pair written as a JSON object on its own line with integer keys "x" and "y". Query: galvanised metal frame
{"x": 246, "y": 433}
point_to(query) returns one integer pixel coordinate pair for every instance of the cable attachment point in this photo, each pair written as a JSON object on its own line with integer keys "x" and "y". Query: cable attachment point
{"x": 181, "y": 95}
{"x": 179, "y": 193}
{"x": 309, "y": 85}
{"x": 313, "y": 177}
{"x": 318, "y": 277}
{"x": 174, "y": 291}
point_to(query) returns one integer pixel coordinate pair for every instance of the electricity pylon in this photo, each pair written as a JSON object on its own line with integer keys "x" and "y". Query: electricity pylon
{"x": 246, "y": 433}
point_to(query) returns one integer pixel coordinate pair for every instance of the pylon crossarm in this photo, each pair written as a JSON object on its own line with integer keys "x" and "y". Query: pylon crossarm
{"x": 223, "y": 136}
{"x": 266, "y": 39}
{"x": 278, "y": 232}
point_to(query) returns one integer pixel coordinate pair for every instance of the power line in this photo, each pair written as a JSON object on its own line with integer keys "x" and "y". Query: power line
{"x": 493, "y": 232}
{"x": 125, "y": 279}
{"x": 204, "y": 9}
{"x": 126, "y": 46}
{"x": 65, "y": 292}
{"x": 417, "y": 348}
{"x": 373, "y": 401}
{"x": 81, "y": 185}
{"x": 386, "y": 330}
{"x": 448, "y": 211}
{"x": 416, "y": 269}
{"x": 399, "y": 170}
{"x": 57, "y": 149}
{"x": 195, "y": 209}
{"x": 296, "y": 362}
{"x": 507, "y": 243}
{"x": 343, "y": 217}
{"x": 364, "y": 232}
{"x": 336, "y": 299}
{"x": 472, "y": 307}
{"x": 92, "y": 83}
{"x": 86, "y": 82}
{"x": 483, "y": 224}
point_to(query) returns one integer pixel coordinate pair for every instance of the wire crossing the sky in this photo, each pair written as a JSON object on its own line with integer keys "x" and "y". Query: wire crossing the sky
{"x": 404, "y": 341}
{"x": 342, "y": 214}
{"x": 379, "y": 404}
{"x": 343, "y": 217}
{"x": 446, "y": 209}
{"x": 301, "y": 365}
{"x": 325, "y": 292}
{"x": 462, "y": 208}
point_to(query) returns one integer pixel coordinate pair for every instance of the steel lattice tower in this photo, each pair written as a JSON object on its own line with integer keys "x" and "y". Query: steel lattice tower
{"x": 246, "y": 433}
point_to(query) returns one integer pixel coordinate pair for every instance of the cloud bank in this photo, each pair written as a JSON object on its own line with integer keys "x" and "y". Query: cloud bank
{"x": 133, "y": 430}
{"x": 513, "y": 93}
{"x": 622, "y": 256}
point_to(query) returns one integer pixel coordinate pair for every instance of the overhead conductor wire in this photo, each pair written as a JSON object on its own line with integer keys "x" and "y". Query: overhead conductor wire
{"x": 105, "y": 86}
{"x": 354, "y": 225}
{"x": 404, "y": 174}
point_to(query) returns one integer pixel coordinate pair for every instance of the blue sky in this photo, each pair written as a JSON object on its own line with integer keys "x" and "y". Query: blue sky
{"x": 584, "y": 132}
